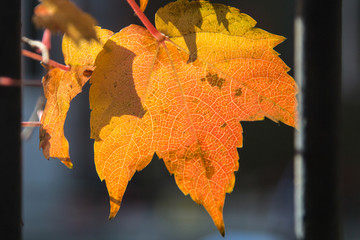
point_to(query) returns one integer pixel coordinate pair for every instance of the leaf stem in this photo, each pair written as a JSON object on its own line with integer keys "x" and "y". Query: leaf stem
{"x": 40, "y": 58}
{"x": 46, "y": 39}
{"x": 30, "y": 124}
{"x": 39, "y": 46}
{"x": 156, "y": 34}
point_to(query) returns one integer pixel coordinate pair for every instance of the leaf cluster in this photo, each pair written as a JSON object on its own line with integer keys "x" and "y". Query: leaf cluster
{"x": 179, "y": 90}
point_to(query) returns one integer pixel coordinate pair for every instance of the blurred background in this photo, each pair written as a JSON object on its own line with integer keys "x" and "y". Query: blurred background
{"x": 59, "y": 203}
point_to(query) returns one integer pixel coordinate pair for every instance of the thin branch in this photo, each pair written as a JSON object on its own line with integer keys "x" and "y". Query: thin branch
{"x": 40, "y": 46}
{"x": 156, "y": 34}
{"x": 39, "y": 58}
{"x": 30, "y": 124}
{"x": 46, "y": 39}
{"x": 9, "y": 82}
{"x": 34, "y": 118}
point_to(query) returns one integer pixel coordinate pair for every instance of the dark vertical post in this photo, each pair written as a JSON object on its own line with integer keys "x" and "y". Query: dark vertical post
{"x": 10, "y": 120}
{"x": 318, "y": 72}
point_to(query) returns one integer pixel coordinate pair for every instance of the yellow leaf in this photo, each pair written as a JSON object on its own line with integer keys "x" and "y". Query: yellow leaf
{"x": 66, "y": 17}
{"x": 85, "y": 52}
{"x": 60, "y": 87}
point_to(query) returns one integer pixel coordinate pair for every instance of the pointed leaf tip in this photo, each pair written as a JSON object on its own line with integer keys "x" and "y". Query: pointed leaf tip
{"x": 67, "y": 162}
{"x": 222, "y": 231}
{"x": 114, "y": 207}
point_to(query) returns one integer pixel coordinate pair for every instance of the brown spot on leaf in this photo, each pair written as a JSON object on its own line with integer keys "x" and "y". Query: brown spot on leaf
{"x": 192, "y": 154}
{"x": 238, "y": 92}
{"x": 115, "y": 201}
{"x": 214, "y": 80}
{"x": 202, "y": 156}
{"x": 44, "y": 142}
{"x": 46, "y": 146}
{"x": 87, "y": 73}
{"x": 224, "y": 125}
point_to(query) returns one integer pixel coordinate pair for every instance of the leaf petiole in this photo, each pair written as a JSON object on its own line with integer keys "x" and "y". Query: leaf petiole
{"x": 40, "y": 58}
{"x": 156, "y": 34}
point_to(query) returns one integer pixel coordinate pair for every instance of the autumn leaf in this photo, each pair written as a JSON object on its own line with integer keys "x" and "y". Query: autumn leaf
{"x": 183, "y": 98}
{"x": 60, "y": 87}
{"x": 85, "y": 52}
{"x": 143, "y": 4}
{"x": 66, "y": 17}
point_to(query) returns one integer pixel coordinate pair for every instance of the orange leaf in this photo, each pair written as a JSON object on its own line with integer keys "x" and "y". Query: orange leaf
{"x": 184, "y": 98}
{"x": 66, "y": 17}
{"x": 143, "y": 4}
{"x": 60, "y": 87}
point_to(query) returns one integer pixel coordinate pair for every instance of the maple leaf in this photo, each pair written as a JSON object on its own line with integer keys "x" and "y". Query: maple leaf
{"x": 183, "y": 98}
{"x": 66, "y": 17}
{"x": 60, "y": 87}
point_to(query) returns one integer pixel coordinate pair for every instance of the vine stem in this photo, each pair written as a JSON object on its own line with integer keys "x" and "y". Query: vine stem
{"x": 40, "y": 58}
{"x": 30, "y": 124}
{"x": 154, "y": 32}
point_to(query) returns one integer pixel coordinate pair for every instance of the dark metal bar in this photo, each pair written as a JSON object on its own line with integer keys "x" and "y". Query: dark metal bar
{"x": 318, "y": 72}
{"x": 10, "y": 121}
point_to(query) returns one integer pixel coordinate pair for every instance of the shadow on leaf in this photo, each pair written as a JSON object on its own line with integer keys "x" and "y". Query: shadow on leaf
{"x": 112, "y": 91}
{"x": 189, "y": 17}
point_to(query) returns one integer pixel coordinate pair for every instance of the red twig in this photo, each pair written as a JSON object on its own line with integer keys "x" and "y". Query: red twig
{"x": 9, "y": 82}
{"x": 46, "y": 39}
{"x": 30, "y": 124}
{"x": 39, "y": 58}
{"x": 156, "y": 34}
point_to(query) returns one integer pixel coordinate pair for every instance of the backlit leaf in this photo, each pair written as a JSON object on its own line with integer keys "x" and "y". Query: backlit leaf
{"x": 85, "y": 52}
{"x": 184, "y": 99}
{"x": 143, "y": 4}
{"x": 60, "y": 87}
